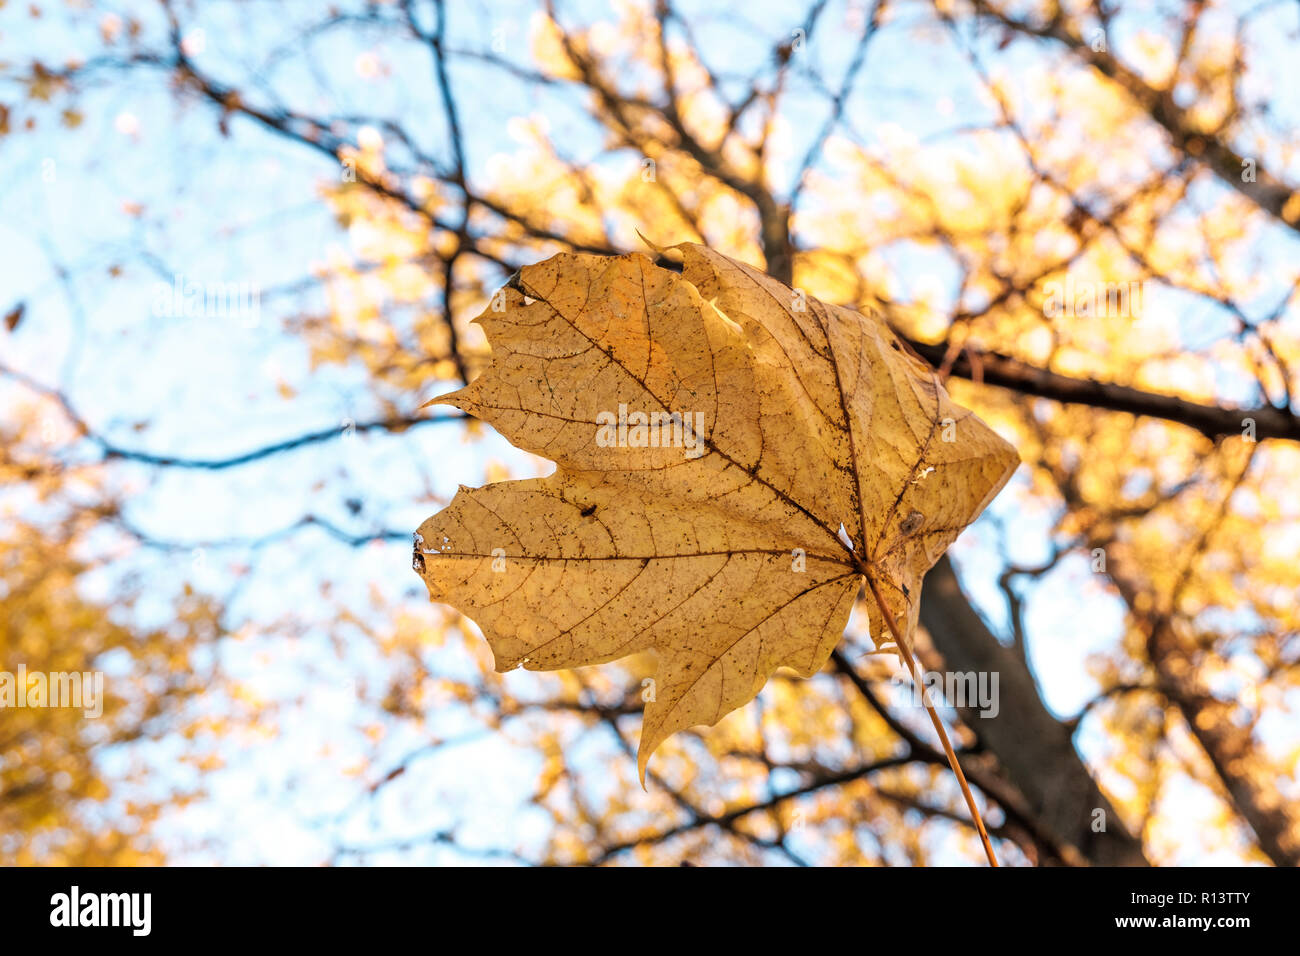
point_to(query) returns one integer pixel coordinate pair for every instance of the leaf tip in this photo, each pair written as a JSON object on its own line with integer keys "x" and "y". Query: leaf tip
{"x": 642, "y": 761}
{"x": 447, "y": 398}
{"x": 651, "y": 738}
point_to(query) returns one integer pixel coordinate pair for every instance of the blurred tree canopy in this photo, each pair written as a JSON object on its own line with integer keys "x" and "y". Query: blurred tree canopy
{"x": 1087, "y": 223}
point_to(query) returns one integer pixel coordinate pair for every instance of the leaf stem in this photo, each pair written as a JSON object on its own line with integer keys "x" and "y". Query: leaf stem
{"x": 905, "y": 650}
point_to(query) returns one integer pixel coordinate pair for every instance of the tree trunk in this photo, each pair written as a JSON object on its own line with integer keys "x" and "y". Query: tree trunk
{"x": 1036, "y": 751}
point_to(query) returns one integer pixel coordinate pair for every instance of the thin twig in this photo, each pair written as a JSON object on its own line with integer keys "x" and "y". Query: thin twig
{"x": 905, "y": 651}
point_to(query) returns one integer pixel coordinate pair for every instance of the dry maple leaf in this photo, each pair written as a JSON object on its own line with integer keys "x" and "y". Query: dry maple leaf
{"x": 733, "y": 459}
